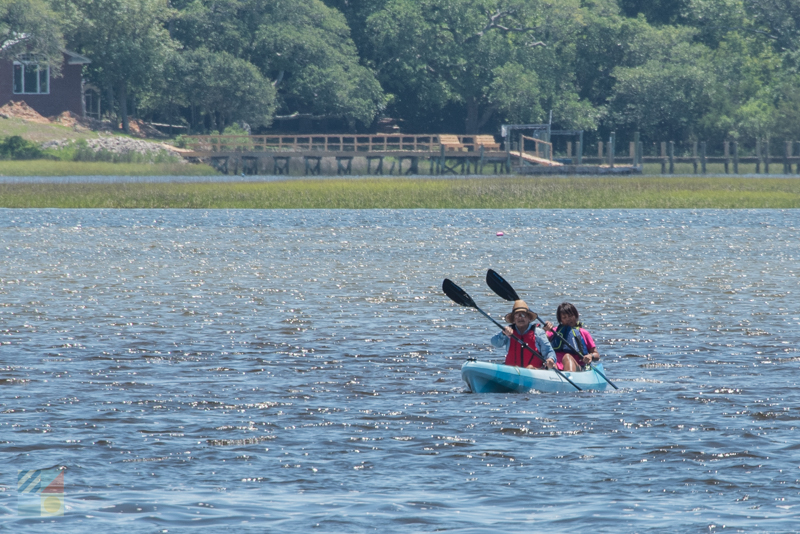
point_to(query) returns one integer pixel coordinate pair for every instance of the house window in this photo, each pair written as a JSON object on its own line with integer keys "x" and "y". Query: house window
{"x": 31, "y": 78}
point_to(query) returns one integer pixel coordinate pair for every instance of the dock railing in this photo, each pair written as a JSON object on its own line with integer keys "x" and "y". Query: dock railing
{"x": 542, "y": 149}
{"x": 328, "y": 143}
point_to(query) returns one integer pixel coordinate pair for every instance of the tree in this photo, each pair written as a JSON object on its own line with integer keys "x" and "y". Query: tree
{"x": 664, "y": 87}
{"x": 656, "y": 11}
{"x": 127, "y": 43}
{"x": 30, "y": 27}
{"x": 302, "y": 45}
{"x": 223, "y": 89}
{"x": 436, "y": 56}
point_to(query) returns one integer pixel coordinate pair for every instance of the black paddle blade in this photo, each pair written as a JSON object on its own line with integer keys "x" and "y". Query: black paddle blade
{"x": 500, "y": 286}
{"x": 456, "y": 294}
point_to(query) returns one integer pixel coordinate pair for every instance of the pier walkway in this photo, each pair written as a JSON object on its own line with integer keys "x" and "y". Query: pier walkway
{"x": 382, "y": 153}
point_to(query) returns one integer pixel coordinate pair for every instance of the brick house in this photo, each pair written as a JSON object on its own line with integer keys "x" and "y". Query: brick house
{"x": 25, "y": 79}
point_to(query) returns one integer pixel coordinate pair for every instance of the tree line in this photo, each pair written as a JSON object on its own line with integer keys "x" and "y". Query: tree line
{"x": 669, "y": 69}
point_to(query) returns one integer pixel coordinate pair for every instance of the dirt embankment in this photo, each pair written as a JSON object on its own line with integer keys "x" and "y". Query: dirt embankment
{"x": 105, "y": 140}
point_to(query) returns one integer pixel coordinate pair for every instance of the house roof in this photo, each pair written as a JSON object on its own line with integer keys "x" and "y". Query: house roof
{"x": 75, "y": 59}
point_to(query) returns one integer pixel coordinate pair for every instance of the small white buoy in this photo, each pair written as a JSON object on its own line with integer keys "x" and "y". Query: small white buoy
{"x": 500, "y": 234}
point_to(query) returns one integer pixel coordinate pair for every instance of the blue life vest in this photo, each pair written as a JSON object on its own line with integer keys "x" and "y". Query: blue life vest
{"x": 573, "y": 336}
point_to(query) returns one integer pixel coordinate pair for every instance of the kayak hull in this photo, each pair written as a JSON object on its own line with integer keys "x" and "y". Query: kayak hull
{"x": 484, "y": 377}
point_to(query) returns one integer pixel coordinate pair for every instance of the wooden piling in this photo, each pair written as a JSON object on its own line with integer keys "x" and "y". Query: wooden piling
{"x": 612, "y": 141}
{"x": 703, "y": 157}
{"x": 727, "y": 156}
{"x": 672, "y": 157}
{"x": 787, "y": 153}
{"x": 758, "y": 156}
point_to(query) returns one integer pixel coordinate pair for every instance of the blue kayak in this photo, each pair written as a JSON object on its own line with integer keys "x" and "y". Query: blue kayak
{"x": 483, "y": 377}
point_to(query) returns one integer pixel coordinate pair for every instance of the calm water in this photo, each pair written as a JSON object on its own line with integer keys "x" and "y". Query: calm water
{"x": 252, "y": 371}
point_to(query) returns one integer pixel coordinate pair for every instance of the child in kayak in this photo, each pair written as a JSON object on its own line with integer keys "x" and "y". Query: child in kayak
{"x": 569, "y": 337}
{"x": 536, "y": 338}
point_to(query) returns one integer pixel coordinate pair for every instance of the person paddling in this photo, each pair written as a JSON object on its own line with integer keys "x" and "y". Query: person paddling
{"x": 572, "y": 336}
{"x": 520, "y": 325}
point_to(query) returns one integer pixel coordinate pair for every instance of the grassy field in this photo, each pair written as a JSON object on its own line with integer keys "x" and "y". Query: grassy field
{"x": 42, "y": 167}
{"x": 401, "y": 193}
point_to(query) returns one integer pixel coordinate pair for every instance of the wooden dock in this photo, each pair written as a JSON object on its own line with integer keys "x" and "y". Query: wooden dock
{"x": 406, "y": 154}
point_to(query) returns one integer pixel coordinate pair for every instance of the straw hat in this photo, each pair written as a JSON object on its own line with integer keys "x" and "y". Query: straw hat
{"x": 519, "y": 305}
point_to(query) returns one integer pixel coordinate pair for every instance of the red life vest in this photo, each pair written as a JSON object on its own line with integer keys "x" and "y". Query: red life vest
{"x": 520, "y": 357}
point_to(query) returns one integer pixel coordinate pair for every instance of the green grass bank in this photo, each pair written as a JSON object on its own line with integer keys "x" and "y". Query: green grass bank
{"x": 401, "y": 193}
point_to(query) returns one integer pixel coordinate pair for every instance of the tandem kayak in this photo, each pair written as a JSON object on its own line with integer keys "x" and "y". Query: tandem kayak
{"x": 483, "y": 377}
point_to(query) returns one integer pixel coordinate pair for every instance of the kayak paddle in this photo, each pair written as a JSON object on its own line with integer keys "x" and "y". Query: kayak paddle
{"x": 462, "y": 298}
{"x": 504, "y": 290}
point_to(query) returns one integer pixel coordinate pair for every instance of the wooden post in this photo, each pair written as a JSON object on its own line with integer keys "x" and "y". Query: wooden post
{"x": 632, "y": 152}
{"x": 787, "y": 153}
{"x": 441, "y": 158}
{"x": 672, "y": 157}
{"x": 663, "y": 149}
{"x": 569, "y": 149}
{"x": 612, "y": 141}
{"x": 758, "y": 156}
{"x": 640, "y": 154}
{"x": 580, "y": 150}
{"x": 797, "y": 168}
{"x": 600, "y": 151}
{"x": 727, "y": 156}
{"x": 766, "y": 156}
{"x": 703, "y": 157}
{"x": 736, "y": 157}
{"x": 637, "y": 147}
{"x": 694, "y": 155}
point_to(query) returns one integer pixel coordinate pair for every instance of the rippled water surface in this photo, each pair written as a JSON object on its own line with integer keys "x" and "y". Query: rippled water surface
{"x": 252, "y": 371}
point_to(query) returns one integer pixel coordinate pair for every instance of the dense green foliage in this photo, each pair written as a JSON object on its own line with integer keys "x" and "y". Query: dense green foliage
{"x": 15, "y": 147}
{"x": 671, "y": 69}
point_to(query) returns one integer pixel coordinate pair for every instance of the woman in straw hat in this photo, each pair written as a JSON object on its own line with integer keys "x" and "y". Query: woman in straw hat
{"x": 521, "y": 327}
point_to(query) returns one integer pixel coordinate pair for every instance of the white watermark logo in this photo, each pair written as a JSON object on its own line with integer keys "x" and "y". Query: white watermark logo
{"x": 40, "y": 492}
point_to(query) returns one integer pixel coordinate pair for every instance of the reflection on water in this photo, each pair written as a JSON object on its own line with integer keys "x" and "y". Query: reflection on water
{"x": 247, "y": 370}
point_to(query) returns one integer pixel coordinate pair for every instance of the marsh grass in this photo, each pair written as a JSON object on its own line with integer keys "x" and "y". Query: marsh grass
{"x": 402, "y": 193}
{"x": 41, "y": 167}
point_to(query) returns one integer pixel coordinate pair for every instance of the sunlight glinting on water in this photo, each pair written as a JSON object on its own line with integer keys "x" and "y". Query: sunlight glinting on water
{"x": 252, "y": 370}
